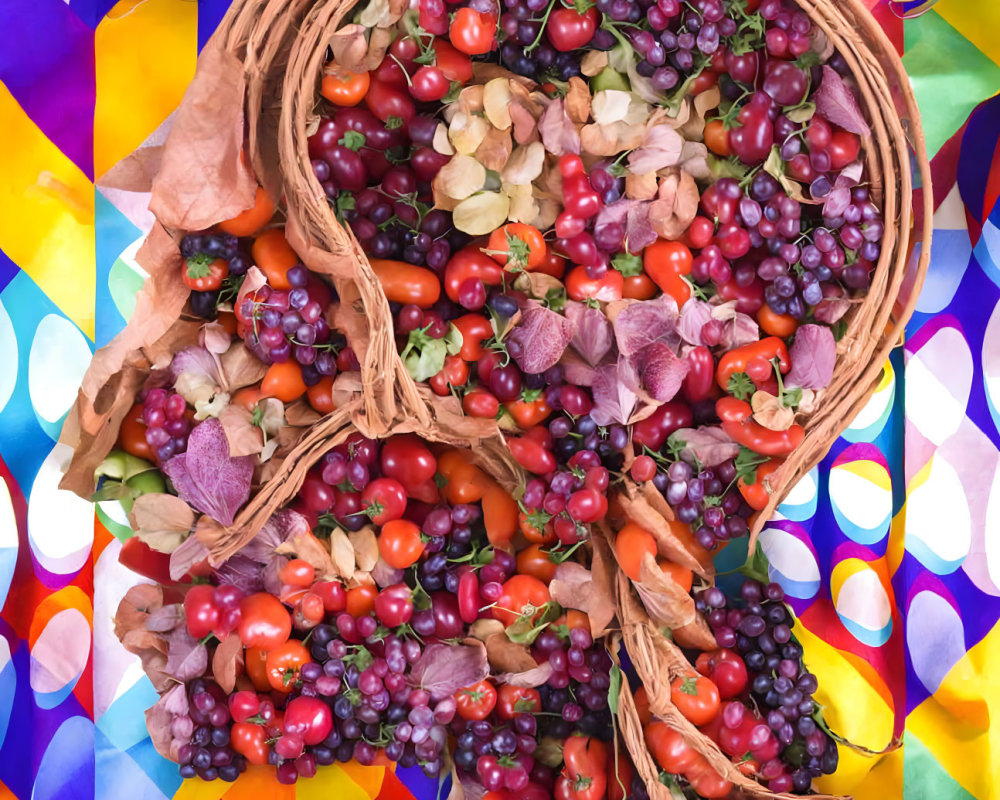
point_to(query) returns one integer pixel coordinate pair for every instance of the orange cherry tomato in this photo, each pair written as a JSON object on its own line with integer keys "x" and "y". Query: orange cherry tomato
{"x": 521, "y": 595}
{"x": 274, "y": 255}
{"x": 783, "y": 325}
{"x": 344, "y": 88}
{"x": 499, "y": 515}
{"x": 639, "y": 287}
{"x": 518, "y": 246}
{"x": 717, "y": 138}
{"x": 284, "y": 381}
{"x": 283, "y": 664}
{"x": 534, "y": 560}
{"x": 132, "y": 435}
{"x": 320, "y": 395}
{"x": 255, "y": 664}
{"x": 666, "y": 263}
{"x": 251, "y": 220}
{"x": 361, "y": 600}
{"x": 526, "y": 413}
{"x": 631, "y": 542}
{"x": 683, "y": 576}
{"x": 399, "y": 543}
{"x": 529, "y": 527}
{"x": 247, "y": 397}
{"x": 580, "y": 286}
{"x": 405, "y": 283}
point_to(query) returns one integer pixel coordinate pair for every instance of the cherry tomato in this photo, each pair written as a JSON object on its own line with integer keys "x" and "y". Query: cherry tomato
{"x": 680, "y": 574}
{"x": 653, "y": 431}
{"x": 528, "y": 414}
{"x": 394, "y": 605}
{"x": 521, "y": 595}
{"x": 587, "y": 505}
{"x": 553, "y": 264}
{"x": 250, "y": 220}
{"x": 132, "y": 435}
{"x": 475, "y": 329}
{"x": 264, "y": 622}
{"x": 467, "y": 263}
{"x": 717, "y": 138}
{"x": 399, "y": 543}
{"x": 333, "y": 596}
{"x": 707, "y": 783}
{"x": 250, "y": 741}
{"x": 255, "y": 664}
{"x": 320, "y": 395}
{"x": 283, "y": 664}
{"x": 569, "y": 30}
{"x": 529, "y": 525}
{"x": 387, "y": 102}
{"x": 466, "y": 482}
{"x": 639, "y": 287}
{"x": 641, "y": 700}
{"x": 726, "y": 670}
{"x": 499, "y": 516}
{"x": 580, "y": 286}
{"x": 284, "y": 381}
{"x": 480, "y": 403}
{"x": 514, "y": 700}
{"x": 477, "y": 701}
{"x": 519, "y": 245}
{"x": 203, "y": 274}
{"x": 535, "y": 561}
{"x": 455, "y": 65}
{"x": 705, "y": 81}
{"x": 586, "y": 768}
{"x": 275, "y": 256}
{"x": 531, "y": 455}
{"x": 297, "y": 573}
{"x": 429, "y": 84}
{"x": 384, "y": 499}
{"x": 343, "y": 87}
{"x": 139, "y": 557}
{"x": 454, "y": 373}
{"x": 669, "y": 749}
{"x": 405, "y": 283}
{"x": 243, "y": 705}
{"x": 407, "y": 459}
{"x": 620, "y": 774}
{"x": 361, "y": 600}
{"x": 308, "y": 717}
{"x": 630, "y": 544}
{"x": 200, "y": 611}
{"x": 697, "y": 698}
{"x": 473, "y": 32}
{"x": 843, "y": 148}
{"x": 783, "y": 325}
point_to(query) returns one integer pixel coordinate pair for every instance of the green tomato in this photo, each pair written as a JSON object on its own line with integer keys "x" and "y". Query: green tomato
{"x": 609, "y": 78}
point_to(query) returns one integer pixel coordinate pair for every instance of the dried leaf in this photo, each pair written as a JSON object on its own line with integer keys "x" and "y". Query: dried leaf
{"x": 240, "y": 367}
{"x": 638, "y": 324}
{"x": 770, "y": 412}
{"x": 227, "y": 662}
{"x": 694, "y": 316}
{"x": 507, "y": 656}
{"x": 665, "y": 600}
{"x": 593, "y": 337}
{"x": 559, "y": 134}
{"x": 610, "y": 106}
{"x": 166, "y": 618}
{"x": 160, "y": 716}
{"x": 353, "y": 51}
{"x": 525, "y": 129}
{"x": 661, "y": 148}
{"x": 813, "y": 355}
{"x": 443, "y": 669}
{"x": 523, "y": 206}
{"x": 495, "y": 149}
{"x": 602, "y": 604}
{"x": 342, "y": 553}
{"x": 610, "y": 140}
{"x": 482, "y": 213}
{"x": 496, "y": 102}
{"x": 135, "y": 607}
{"x": 470, "y": 99}
{"x": 441, "y": 143}
{"x": 571, "y": 586}
{"x": 186, "y": 657}
{"x": 613, "y": 399}
{"x": 641, "y": 187}
{"x": 307, "y": 547}
{"x": 525, "y": 164}
{"x": 529, "y": 678}
{"x": 578, "y": 100}
{"x": 738, "y": 328}
{"x": 192, "y": 550}
{"x": 675, "y": 206}
{"x": 661, "y": 371}
{"x": 593, "y": 62}
{"x": 835, "y": 101}
{"x": 466, "y": 132}
{"x": 460, "y": 177}
{"x": 365, "y": 545}
{"x": 245, "y": 438}
{"x": 538, "y": 340}
{"x": 161, "y": 520}
{"x": 708, "y": 444}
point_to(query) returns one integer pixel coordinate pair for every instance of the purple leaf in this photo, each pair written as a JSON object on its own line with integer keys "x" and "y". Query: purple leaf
{"x": 646, "y": 321}
{"x": 613, "y": 400}
{"x": 190, "y": 552}
{"x": 738, "y": 328}
{"x": 165, "y": 618}
{"x": 575, "y": 370}
{"x": 186, "y": 658}
{"x": 207, "y": 478}
{"x": 241, "y": 572}
{"x": 196, "y": 360}
{"x": 694, "y": 315}
{"x": 662, "y": 371}
{"x": 538, "y": 340}
{"x": 639, "y": 232}
{"x": 813, "y": 354}
{"x": 839, "y": 199}
{"x": 282, "y": 525}
{"x": 593, "y": 338}
{"x": 559, "y": 134}
{"x": 443, "y": 669}
{"x": 835, "y": 101}
{"x": 708, "y": 444}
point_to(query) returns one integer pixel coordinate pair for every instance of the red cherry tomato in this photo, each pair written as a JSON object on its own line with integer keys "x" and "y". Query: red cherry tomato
{"x": 283, "y": 664}
{"x": 697, "y": 698}
{"x": 477, "y": 701}
{"x": 473, "y": 32}
{"x": 308, "y": 717}
{"x": 521, "y": 595}
{"x": 297, "y": 573}
{"x": 200, "y": 611}
{"x": 514, "y": 700}
{"x": 580, "y": 286}
{"x": 407, "y": 459}
{"x": 384, "y": 499}
{"x": 264, "y": 622}
{"x": 569, "y": 30}
{"x": 204, "y": 274}
{"x": 387, "y": 102}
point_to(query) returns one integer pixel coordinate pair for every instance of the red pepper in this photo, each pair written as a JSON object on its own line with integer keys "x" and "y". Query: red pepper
{"x": 742, "y": 429}
{"x": 758, "y": 494}
{"x": 698, "y": 382}
{"x": 736, "y": 360}
{"x": 653, "y": 431}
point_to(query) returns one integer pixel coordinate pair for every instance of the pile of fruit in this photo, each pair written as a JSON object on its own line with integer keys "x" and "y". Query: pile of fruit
{"x": 628, "y": 233}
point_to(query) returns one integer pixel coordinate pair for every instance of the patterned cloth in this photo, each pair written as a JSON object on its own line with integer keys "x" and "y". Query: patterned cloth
{"x": 884, "y": 549}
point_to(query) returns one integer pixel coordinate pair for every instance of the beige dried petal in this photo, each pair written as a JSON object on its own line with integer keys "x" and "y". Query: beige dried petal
{"x": 809, "y": 401}
{"x": 523, "y": 206}
{"x": 610, "y": 140}
{"x": 548, "y": 210}
{"x": 694, "y": 161}
{"x": 593, "y": 62}
{"x": 609, "y": 106}
{"x": 482, "y": 213}
{"x": 525, "y": 129}
{"x": 495, "y": 148}
{"x": 466, "y": 132}
{"x": 578, "y": 100}
{"x": 525, "y": 164}
{"x": 661, "y": 148}
{"x": 641, "y": 187}
{"x": 441, "y": 143}
{"x": 460, "y": 177}
{"x": 537, "y": 284}
{"x": 496, "y": 102}
{"x": 770, "y": 412}
{"x": 470, "y": 99}
{"x": 365, "y": 546}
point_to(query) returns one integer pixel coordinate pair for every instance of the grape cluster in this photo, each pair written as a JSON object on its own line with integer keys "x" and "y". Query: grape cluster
{"x": 207, "y": 753}
{"x": 526, "y": 52}
{"x": 569, "y": 500}
{"x": 499, "y": 753}
{"x": 167, "y": 427}
{"x": 760, "y": 630}
{"x": 334, "y": 486}
{"x": 579, "y": 682}
{"x": 289, "y": 324}
{"x": 215, "y": 245}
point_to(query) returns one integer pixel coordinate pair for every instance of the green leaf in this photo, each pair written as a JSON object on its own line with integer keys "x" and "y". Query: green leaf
{"x": 453, "y": 341}
{"x": 257, "y": 417}
{"x": 353, "y": 140}
{"x": 530, "y": 395}
{"x": 675, "y": 446}
{"x": 614, "y": 690}
{"x": 453, "y": 92}
{"x": 839, "y": 328}
{"x": 802, "y": 112}
{"x": 428, "y": 57}
{"x": 394, "y": 122}
{"x": 792, "y": 397}
{"x": 627, "y": 264}
{"x": 746, "y": 464}
{"x": 556, "y": 299}
{"x": 428, "y": 361}
{"x": 344, "y": 202}
{"x": 111, "y": 490}
{"x": 740, "y": 386}
{"x": 756, "y": 565}
{"x": 199, "y": 265}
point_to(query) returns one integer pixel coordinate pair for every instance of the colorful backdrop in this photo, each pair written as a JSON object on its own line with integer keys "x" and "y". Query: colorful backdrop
{"x": 889, "y": 551}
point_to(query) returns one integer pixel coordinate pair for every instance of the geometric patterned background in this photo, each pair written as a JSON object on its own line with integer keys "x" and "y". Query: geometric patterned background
{"x": 889, "y": 550}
